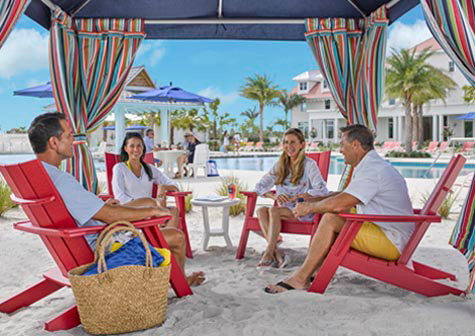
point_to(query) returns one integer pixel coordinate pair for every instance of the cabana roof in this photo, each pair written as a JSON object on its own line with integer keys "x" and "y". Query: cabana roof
{"x": 217, "y": 19}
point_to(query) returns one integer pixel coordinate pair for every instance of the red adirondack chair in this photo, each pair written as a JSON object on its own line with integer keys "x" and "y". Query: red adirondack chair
{"x": 48, "y": 217}
{"x": 305, "y": 228}
{"x": 420, "y": 278}
{"x": 111, "y": 159}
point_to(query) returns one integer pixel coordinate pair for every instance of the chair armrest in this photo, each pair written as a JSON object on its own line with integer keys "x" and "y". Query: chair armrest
{"x": 80, "y": 231}
{"x": 385, "y": 218}
{"x": 178, "y": 193}
{"x": 38, "y": 201}
{"x": 249, "y": 193}
{"x": 104, "y": 197}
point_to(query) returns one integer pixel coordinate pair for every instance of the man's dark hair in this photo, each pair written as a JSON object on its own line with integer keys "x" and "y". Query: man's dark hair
{"x": 148, "y": 131}
{"x": 360, "y": 133}
{"x": 44, "y": 127}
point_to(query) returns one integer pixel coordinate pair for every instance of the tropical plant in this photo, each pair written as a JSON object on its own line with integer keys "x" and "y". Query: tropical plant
{"x": 261, "y": 89}
{"x": 468, "y": 94}
{"x": 447, "y": 204}
{"x": 405, "y": 76}
{"x": 214, "y": 113}
{"x": 281, "y": 122}
{"x": 222, "y": 190}
{"x": 6, "y": 202}
{"x": 251, "y": 114}
{"x": 288, "y": 102}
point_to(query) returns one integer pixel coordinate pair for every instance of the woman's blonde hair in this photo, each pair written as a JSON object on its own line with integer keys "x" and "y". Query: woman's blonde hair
{"x": 283, "y": 169}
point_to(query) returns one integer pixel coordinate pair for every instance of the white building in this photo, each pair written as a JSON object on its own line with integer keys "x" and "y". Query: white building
{"x": 320, "y": 113}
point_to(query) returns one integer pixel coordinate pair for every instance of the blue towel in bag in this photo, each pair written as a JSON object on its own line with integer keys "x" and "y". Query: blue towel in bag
{"x": 132, "y": 253}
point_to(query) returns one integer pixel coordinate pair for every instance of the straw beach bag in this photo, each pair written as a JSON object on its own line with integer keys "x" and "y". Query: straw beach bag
{"x": 122, "y": 299}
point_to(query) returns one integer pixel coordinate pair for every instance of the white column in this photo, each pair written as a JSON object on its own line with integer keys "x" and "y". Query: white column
{"x": 399, "y": 128}
{"x": 434, "y": 128}
{"x": 119, "y": 127}
{"x": 164, "y": 127}
{"x": 335, "y": 131}
{"x": 441, "y": 127}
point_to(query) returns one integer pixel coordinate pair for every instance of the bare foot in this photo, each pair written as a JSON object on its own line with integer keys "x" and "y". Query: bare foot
{"x": 266, "y": 261}
{"x": 195, "y": 279}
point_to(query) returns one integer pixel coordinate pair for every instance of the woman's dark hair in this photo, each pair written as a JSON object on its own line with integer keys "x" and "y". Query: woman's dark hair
{"x": 125, "y": 157}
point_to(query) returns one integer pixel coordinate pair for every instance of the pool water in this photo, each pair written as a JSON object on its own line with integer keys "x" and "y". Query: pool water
{"x": 407, "y": 169}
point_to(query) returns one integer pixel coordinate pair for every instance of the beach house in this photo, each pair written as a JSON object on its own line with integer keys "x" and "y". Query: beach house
{"x": 319, "y": 115}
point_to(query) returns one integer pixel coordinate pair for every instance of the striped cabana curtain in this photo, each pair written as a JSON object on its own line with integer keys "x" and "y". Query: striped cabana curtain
{"x": 89, "y": 63}
{"x": 10, "y": 12}
{"x": 351, "y": 54}
{"x": 452, "y": 22}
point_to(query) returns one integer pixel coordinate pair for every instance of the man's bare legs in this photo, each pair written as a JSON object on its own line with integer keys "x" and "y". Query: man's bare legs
{"x": 328, "y": 228}
{"x": 270, "y": 222}
{"x": 176, "y": 242}
{"x": 180, "y": 161}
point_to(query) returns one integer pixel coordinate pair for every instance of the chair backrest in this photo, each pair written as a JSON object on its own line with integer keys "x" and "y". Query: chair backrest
{"x": 433, "y": 146}
{"x": 467, "y": 146}
{"x": 29, "y": 180}
{"x": 201, "y": 156}
{"x": 443, "y": 145}
{"x": 387, "y": 145}
{"x": 259, "y": 145}
{"x": 249, "y": 145}
{"x": 111, "y": 159}
{"x": 323, "y": 161}
{"x": 433, "y": 203}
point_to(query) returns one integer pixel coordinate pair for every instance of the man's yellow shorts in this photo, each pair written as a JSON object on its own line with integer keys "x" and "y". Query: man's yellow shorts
{"x": 372, "y": 240}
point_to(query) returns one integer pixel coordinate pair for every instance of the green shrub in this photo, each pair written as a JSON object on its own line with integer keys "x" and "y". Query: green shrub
{"x": 6, "y": 202}
{"x": 413, "y": 154}
{"x": 222, "y": 190}
{"x": 188, "y": 205}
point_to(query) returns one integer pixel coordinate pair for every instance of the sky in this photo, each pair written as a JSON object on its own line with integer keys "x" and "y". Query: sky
{"x": 212, "y": 68}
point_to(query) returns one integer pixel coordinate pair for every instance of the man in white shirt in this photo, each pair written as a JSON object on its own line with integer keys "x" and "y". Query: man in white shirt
{"x": 375, "y": 188}
{"x": 150, "y": 145}
{"x": 52, "y": 138}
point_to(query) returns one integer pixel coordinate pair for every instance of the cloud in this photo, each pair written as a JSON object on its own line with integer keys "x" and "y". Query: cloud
{"x": 25, "y": 50}
{"x": 403, "y": 36}
{"x": 150, "y": 52}
{"x": 225, "y": 98}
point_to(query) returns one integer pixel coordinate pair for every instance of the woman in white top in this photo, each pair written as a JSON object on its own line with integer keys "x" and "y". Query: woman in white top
{"x": 294, "y": 176}
{"x": 225, "y": 141}
{"x": 133, "y": 179}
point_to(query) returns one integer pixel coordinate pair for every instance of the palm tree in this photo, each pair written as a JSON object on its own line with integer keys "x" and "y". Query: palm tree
{"x": 251, "y": 114}
{"x": 281, "y": 122}
{"x": 260, "y": 88}
{"x": 434, "y": 85}
{"x": 406, "y": 73}
{"x": 288, "y": 102}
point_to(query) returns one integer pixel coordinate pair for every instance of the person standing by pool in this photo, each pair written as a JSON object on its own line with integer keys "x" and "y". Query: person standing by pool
{"x": 225, "y": 141}
{"x": 237, "y": 142}
{"x": 133, "y": 179}
{"x": 294, "y": 176}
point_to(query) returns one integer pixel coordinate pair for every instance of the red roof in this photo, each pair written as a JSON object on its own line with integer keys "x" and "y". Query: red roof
{"x": 315, "y": 92}
{"x": 430, "y": 43}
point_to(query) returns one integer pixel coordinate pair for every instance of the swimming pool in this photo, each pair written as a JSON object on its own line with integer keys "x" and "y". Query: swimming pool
{"x": 407, "y": 169}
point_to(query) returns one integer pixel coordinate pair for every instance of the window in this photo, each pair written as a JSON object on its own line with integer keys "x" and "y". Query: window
{"x": 325, "y": 84}
{"x": 327, "y": 104}
{"x": 303, "y": 126}
{"x": 329, "y": 128}
{"x": 392, "y": 101}
{"x": 468, "y": 129}
{"x": 303, "y": 107}
{"x": 451, "y": 66}
{"x": 303, "y": 86}
{"x": 391, "y": 128}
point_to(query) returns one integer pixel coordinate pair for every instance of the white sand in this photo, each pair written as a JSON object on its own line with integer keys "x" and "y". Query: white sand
{"x": 232, "y": 301}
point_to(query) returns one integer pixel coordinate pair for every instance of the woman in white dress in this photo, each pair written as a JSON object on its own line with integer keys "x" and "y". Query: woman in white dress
{"x": 294, "y": 176}
{"x": 133, "y": 179}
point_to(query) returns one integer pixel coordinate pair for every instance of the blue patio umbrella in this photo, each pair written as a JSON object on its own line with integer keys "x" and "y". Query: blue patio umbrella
{"x": 171, "y": 94}
{"x": 468, "y": 116}
{"x": 40, "y": 91}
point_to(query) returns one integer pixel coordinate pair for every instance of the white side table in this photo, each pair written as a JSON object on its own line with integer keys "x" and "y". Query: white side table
{"x": 225, "y": 204}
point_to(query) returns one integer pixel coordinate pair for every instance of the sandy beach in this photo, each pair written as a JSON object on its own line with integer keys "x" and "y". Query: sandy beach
{"x": 232, "y": 300}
